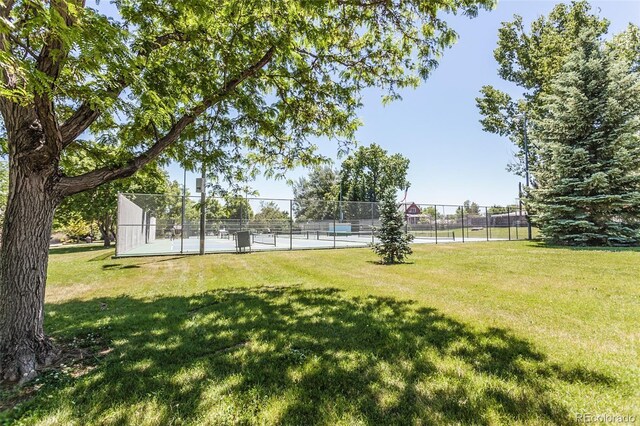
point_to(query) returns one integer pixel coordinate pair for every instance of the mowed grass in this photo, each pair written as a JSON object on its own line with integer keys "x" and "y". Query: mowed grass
{"x": 484, "y": 333}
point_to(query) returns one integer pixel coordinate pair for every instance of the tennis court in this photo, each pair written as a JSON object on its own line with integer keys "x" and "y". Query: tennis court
{"x": 266, "y": 242}
{"x": 151, "y": 225}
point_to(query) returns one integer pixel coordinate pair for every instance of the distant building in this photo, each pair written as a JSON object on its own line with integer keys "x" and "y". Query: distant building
{"x": 412, "y": 213}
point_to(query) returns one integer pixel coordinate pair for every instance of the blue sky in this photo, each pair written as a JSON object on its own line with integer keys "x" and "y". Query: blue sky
{"x": 437, "y": 127}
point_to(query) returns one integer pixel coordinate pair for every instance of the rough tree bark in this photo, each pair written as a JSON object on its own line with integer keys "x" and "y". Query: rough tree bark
{"x": 24, "y": 253}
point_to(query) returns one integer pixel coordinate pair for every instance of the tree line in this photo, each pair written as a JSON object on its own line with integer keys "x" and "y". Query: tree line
{"x": 364, "y": 176}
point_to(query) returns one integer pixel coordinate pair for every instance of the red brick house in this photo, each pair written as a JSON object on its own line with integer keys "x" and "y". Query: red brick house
{"x": 412, "y": 213}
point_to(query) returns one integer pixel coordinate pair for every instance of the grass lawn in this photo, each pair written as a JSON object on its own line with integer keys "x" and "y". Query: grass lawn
{"x": 484, "y": 333}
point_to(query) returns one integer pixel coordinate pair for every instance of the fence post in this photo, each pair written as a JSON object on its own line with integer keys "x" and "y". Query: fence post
{"x": 406, "y": 220}
{"x": 203, "y": 212}
{"x": 509, "y": 221}
{"x": 118, "y": 233}
{"x": 435, "y": 217}
{"x": 486, "y": 221}
{"x": 372, "y": 219}
{"x": 520, "y": 206}
{"x": 182, "y": 221}
{"x": 290, "y": 224}
{"x": 334, "y": 228}
{"x": 462, "y": 219}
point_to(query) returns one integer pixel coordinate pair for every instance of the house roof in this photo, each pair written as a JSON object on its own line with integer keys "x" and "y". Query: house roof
{"x": 412, "y": 204}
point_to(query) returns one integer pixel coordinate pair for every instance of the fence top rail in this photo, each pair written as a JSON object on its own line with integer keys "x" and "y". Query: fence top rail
{"x": 302, "y": 201}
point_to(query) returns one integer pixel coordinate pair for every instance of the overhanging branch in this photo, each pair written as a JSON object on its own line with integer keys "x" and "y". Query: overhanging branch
{"x": 6, "y": 7}
{"x": 73, "y": 185}
{"x": 87, "y": 113}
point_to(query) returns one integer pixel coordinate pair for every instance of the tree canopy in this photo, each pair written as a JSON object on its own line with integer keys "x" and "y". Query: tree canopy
{"x": 315, "y": 194}
{"x": 570, "y": 149}
{"x": 276, "y": 73}
{"x": 530, "y": 58}
{"x": 370, "y": 172}
{"x": 469, "y": 208}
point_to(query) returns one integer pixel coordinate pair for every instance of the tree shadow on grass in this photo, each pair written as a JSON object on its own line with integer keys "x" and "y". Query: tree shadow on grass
{"x": 112, "y": 266}
{"x": 621, "y": 249}
{"x": 289, "y": 355}
{"x": 79, "y": 248}
{"x": 381, "y": 263}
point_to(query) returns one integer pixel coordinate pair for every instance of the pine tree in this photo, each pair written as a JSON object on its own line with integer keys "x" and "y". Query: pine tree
{"x": 587, "y": 177}
{"x": 394, "y": 243}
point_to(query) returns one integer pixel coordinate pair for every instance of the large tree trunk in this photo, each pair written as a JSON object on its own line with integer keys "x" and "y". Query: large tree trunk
{"x": 24, "y": 253}
{"x": 23, "y": 271}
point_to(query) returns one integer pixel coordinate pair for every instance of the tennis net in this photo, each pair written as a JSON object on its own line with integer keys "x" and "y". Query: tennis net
{"x": 269, "y": 239}
{"x": 432, "y": 235}
{"x": 360, "y": 237}
{"x": 299, "y": 235}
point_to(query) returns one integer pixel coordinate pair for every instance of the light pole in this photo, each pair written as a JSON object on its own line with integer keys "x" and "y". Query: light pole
{"x": 203, "y": 198}
{"x": 340, "y": 201}
{"x": 526, "y": 169}
{"x": 184, "y": 196}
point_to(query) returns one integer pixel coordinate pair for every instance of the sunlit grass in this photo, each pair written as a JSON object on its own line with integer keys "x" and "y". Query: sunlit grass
{"x": 486, "y": 333}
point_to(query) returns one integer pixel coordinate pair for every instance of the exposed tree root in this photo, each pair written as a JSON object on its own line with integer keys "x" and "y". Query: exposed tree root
{"x": 20, "y": 363}
{"x": 70, "y": 360}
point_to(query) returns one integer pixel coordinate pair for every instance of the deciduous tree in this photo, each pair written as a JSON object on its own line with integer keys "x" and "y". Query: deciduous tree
{"x": 370, "y": 172}
{"x": 316, "y": 194}
{"x": 530, "y": 58}
{"x": 270, "y": 211}
{"x": 264, "y": 76}
{"x": 99, "y": 205}
{"x": 471, "y": 208}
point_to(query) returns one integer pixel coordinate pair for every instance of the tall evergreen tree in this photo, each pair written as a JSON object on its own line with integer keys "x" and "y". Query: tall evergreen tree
{"x": 588, "y": 184}
{"x": 394, "y": 243}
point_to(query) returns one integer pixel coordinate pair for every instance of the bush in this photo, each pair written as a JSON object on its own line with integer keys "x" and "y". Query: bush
{"x": 77, "y": 229}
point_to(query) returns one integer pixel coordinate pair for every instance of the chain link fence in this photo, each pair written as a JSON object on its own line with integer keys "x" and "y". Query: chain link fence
{"x": 158, "y": 224}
